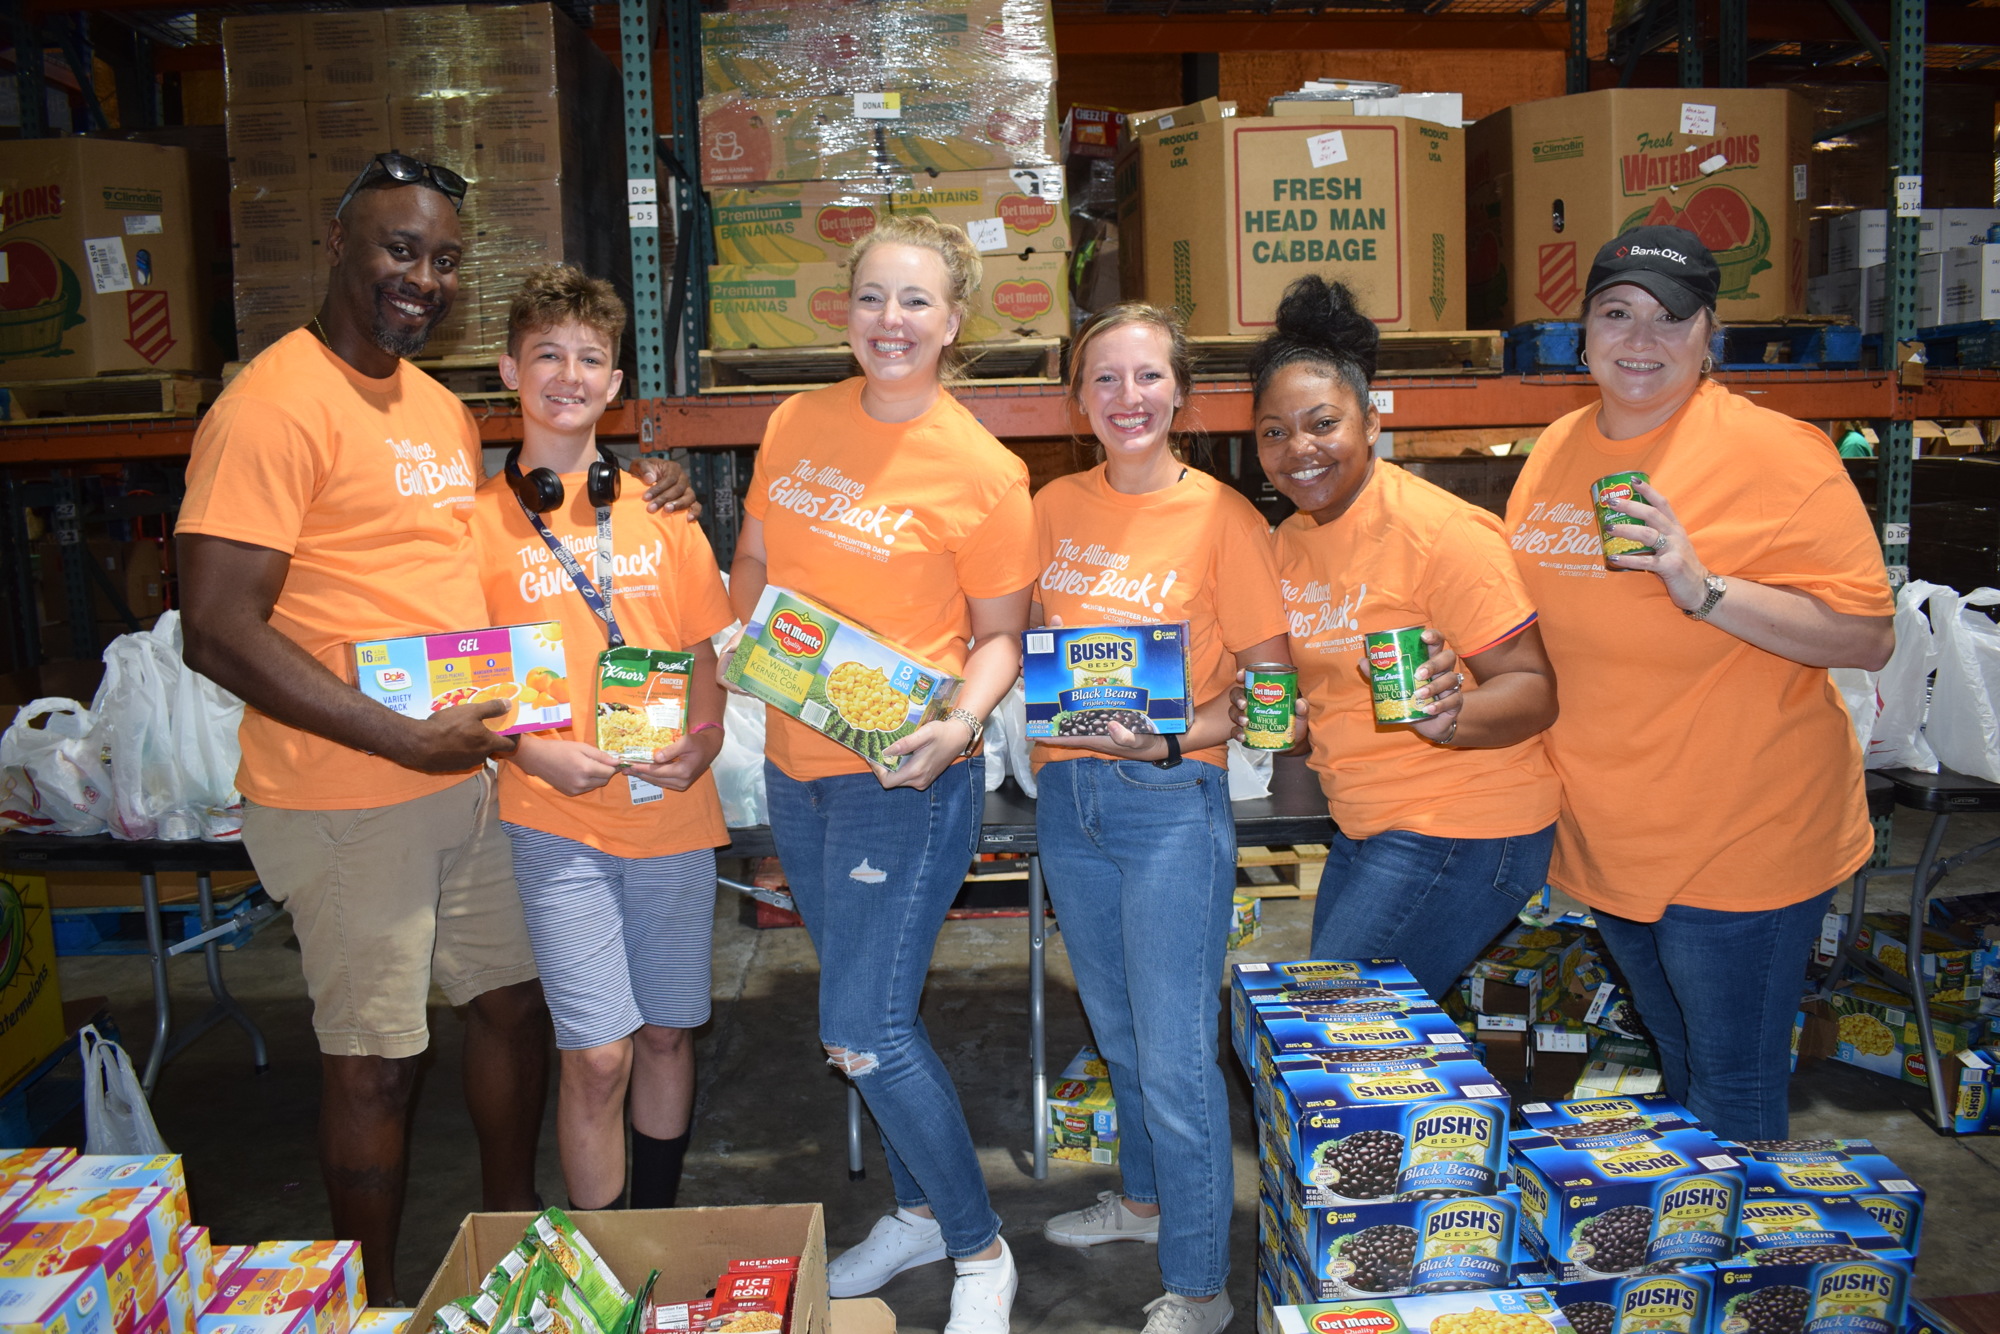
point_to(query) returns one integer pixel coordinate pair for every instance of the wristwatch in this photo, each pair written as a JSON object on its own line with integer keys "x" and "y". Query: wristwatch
{"x": 971, "y": 720}
{"x": 1173, "y": 752}
{"x": 1716, "y": 588}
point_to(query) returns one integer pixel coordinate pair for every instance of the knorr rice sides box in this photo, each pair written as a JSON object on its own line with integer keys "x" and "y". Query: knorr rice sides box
{"x": 1079, "y": 679}
{"x": 520, "y": 665}
{"x": 836, "y": 676}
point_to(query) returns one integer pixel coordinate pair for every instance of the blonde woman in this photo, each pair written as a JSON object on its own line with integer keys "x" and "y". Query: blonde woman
{"x": 882, "y": 498}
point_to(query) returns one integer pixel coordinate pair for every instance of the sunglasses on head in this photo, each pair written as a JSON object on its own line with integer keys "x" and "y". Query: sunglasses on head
{"x": 406, "y": 170}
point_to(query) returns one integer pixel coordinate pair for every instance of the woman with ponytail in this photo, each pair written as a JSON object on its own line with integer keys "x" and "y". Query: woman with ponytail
{"x": 1445, "y": 825}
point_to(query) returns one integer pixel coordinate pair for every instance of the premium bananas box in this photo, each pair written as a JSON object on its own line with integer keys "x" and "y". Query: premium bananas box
{"x": 804, "y": 222}
{"x": 515, "y": 664}
{"x": 1253, "y": 985}
{"x": 1414, "y": 1122}
{"x": 1843, "y": 1169}
{"x": 1605, "y": 1203}
{"x": 777, "y": 305}
{"x": 1516, "y": 1311}
{"x": 836, "y": 676}
{"x": 1078, "y": 679}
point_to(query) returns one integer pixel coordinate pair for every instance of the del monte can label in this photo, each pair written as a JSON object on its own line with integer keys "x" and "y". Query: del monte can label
{"x": 1393, "y": 659}
{"x": 1615, "y": 487}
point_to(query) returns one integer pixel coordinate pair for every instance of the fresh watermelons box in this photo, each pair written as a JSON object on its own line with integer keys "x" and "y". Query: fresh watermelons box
{"x": 1549, "y": 182}
{"x": 1848, "y": 1169}
{"x": 1296, "y": 981}
{"x": 31, "y": 1021}
{"x": 1079, "y": 679}
{"x": 835, "y": 676}
{"x": 1515, "y": 1311}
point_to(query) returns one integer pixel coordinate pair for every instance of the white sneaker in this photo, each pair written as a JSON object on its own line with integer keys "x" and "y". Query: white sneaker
{"x": 1175, "y": 1314}
{"x": 982, "y": 1297}
{"x": 900, "y": 1241}
{"x": 1107, "y": 1220}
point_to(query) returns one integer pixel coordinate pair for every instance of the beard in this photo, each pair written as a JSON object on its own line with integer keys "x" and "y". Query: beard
{"x": 399, "y": 342}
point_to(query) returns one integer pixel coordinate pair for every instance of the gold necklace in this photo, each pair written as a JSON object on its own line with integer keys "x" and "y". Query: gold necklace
{"x": 320, "y": 329}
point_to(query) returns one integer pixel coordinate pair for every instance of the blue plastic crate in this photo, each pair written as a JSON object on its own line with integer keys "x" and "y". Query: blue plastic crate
{"x": 1555, "y": 347}
{"x": 122, "y": 930}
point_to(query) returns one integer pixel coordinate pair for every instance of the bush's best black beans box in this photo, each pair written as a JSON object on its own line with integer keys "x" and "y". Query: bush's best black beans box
{"x": 1603, "y": 1205}
{"x": 1389, "y": 1024}
{"x": 1079, "y": 678}
{"x": 1849, "y": 1169}
{"x": 1309, "y": 981}
{"x": 1811, "y": 1267}
{"x": 1606, "y": 1115}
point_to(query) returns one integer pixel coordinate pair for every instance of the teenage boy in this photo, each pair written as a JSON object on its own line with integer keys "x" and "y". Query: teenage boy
{"x": 615, "y": 856}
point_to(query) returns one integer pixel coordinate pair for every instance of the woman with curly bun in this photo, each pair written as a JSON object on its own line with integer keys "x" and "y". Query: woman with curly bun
{"x": 1445, "y": 824}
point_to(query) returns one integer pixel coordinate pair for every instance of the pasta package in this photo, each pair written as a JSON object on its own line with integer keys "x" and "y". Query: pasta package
{"x": 642, "y": 700}
{"x": 836, "y": 676}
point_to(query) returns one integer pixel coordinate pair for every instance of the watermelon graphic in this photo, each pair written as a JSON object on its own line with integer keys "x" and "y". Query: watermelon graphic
{"x": 39, "y": 300}
{"x": 13, "y": 933}
{"x": 1727, "y": 223}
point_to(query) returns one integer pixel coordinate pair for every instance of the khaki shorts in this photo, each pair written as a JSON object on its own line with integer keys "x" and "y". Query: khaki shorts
{"x": 387, "y": 900}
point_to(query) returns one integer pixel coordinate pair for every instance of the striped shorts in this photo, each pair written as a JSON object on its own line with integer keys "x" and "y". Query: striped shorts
{"x": 619, "y": 941}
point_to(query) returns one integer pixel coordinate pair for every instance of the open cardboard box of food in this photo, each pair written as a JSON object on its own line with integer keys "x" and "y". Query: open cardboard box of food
{"x": 690, "y": 1248}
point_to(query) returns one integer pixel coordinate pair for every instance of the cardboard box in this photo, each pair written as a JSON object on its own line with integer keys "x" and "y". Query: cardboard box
{"x": 346, "y": 56}
{"x": 274, "y": 231}
{"x": 1772, "y": 1226}
{"x": 430, "y": 48}
{"x": 269, "y": 308}
{"x": 278, "y": 1280}
{"x": 1550, "y": 182}
{"x": 1083, "y": 1113}
{"x": 1964, "y": 226}
{"x": 835, "y": 676}
{"x": 1976, "y": 1108}
{"x": 1859, "y": 239}
{"x": 1004, "y": 210}
{"x": 1376, "y": 1251}
{"x": 263, "y": 58}
{"x": 346, "y": 136}
{"x": 777, "y": 305}
{"x": 30, "y": 999}
{"x": 420, "y": 674}
{"x": 518, "y": 47}
{"x": 1930, "y": 289}
{"x": 34, "y": 1166}
{"x": 1845, "y": 1169}
{"x": 63, "y": 1300}
{"x": 1246, "y": 920}
{"x": 520, "y": 134}
{"x": 100, "y": 247}
{"x": 1951, "y": 965}
{"x": 807, "y": 222}
{"x": 269, "y": 145}
{"x": 1878, "y": 1031}
{"x": 1077, "y": 677}
{"x": 1253, "y": 986}
{"x": 1971, "y": 287}
{"x": 1091, "y": 132}
{"x": 1020, "y": 296}
{"x": 690, "y": 1248}
{"x": 130, "y": 1235}
{"x": 98, "y": 1173}
{"x": 1322, "y": 1031}
{"x": 438, "y": 128}
{"x": 1236, "y": 209}
{"x": 746, "y": 140}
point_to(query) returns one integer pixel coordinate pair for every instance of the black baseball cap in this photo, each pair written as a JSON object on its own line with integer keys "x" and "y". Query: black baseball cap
{"x": 1669, "y": 262}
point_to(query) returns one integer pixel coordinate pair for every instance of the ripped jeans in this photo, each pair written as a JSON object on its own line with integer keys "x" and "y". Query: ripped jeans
{"x": 873, "y": 871}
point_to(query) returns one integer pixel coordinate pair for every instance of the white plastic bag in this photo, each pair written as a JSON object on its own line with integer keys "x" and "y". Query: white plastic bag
{"x": 134, "y": 708}
{"x": 1964, "y": 724}
{"x": 996, "y": 748}
{"x": 1901, "y": 691}
{"x": 1249, "y": 772}
{"x": 206, "y": 721}
{"x": 1012, "y": 715}
{"x": 53, "y": 742}
{"x": 116, "y": 1117}
{"x": 739, "y": 765}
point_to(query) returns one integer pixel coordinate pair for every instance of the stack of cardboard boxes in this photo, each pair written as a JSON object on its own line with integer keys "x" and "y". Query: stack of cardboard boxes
{"x": 512, "y": 97}
{"x": 1957, "y": 281}
{"x": 820, "y": 121}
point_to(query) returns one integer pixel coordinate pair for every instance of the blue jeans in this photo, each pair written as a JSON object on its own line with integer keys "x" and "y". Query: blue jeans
{"x": 1434, "y": 903}
{"x": 873, "y": 872}
{"x": 1141, "y": 867}
{"x": 1719, "y": 992}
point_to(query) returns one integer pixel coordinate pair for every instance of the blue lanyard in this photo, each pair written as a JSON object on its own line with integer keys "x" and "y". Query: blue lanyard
{"x": 600, "y": 603}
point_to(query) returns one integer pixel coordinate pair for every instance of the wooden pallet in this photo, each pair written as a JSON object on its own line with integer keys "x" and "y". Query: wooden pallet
{"x": 775, "y": 370}
{"x": 1280, "y": 872}
{"x": 149, "y": 396}
{"x": 1472, "y": 352}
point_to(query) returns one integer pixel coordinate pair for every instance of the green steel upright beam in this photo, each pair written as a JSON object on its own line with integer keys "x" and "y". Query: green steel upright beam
{"x": 642, "y": 194}
{"x": 1578, "y": 79}
{"x": 28, "y": 75}
{"x": 1733, "y": 68}
{"x": 1692, "y": 75}
{"x": 1906, "y": 156}
{"x": 683, "y": 43}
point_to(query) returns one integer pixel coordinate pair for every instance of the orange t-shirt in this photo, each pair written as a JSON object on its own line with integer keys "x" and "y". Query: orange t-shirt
{"x": 1196, "y": 552}
{"x": 666, "y": 593}
{"x": 892, "y": 524}
{"x": 367, "y": 485}
{"x": 1697, "y": 769}
{"x": 1407, "y": 553}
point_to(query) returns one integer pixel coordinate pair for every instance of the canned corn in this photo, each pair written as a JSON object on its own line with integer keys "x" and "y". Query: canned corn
{"x": 1270, "y": 696}
{"x": 1617, "y": 486}
{"x": 1393, "y": 659}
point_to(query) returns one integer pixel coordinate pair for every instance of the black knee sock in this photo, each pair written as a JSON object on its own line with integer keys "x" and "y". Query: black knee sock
{"x": 656, "y": 1170}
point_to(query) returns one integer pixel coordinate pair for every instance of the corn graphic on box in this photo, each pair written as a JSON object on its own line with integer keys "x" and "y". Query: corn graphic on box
{"x": 1081, "y": 678}
{"x": 519, "y": 665}
{"x": 836, "y": 677}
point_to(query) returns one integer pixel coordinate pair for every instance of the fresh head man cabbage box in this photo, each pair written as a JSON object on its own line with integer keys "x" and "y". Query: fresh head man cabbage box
{"x": 515, "y": 664}
{"x": 835, "y": 676}
{"x": 1079, "y": 678}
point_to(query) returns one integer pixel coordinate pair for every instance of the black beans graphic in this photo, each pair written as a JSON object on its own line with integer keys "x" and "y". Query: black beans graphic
{"x": 1364, "y": 1165}
{"x": 1809, "y": 1255}
{"x": 1617, "y": 1238}
{"x": 1590, "y": 1317}
{"x": 1097, "y": 722}
{"x": 1775, "y": 1310}
{"x": 1791, "y": 1145}
{"x": 1610, "y": 1125}
{"x": 1381, "y": 1256}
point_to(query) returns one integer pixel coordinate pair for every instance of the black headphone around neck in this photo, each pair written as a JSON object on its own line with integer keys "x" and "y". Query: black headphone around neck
{"x": 541, "y": 490}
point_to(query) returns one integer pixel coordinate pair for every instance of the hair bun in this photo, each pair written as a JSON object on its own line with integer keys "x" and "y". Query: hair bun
{"x": 1325, "y": 315}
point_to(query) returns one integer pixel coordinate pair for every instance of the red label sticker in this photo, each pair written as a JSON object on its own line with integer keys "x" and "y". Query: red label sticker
{"x": 828, "y": 305}
{"x": 845, "y": 226}
{"x": 1026, "y": 213}
{"x": 1023, "y": 301}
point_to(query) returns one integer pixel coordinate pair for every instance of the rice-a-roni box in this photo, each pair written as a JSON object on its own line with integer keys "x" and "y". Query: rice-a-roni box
{"x": 1605, "y": 1204}
{"x": 1354, "y": 1251}
{"x": 836, "y": 676}
{"x": 1428, "y": 1122}
{"x": 1513, "y": 1311}
{"x": 1847, "y": 1169}
{"x": 515, "y": 664}
{"x": 1078, "y": 679}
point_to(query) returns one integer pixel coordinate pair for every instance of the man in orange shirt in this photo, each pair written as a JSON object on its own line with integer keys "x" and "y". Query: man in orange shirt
{"x": 329, "y": 501}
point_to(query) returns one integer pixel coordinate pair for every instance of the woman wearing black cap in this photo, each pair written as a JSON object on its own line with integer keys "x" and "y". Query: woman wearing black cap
{"x": 1712, "y": 790}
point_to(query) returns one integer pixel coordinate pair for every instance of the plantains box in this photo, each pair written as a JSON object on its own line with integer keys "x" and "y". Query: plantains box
{"x": 1004, "y": 210}
{"x": 1137, "y": 674}
{"x": 690, "y": 1248}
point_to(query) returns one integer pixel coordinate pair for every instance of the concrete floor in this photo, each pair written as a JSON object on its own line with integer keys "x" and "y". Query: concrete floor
{"x": 771, "y": 1119}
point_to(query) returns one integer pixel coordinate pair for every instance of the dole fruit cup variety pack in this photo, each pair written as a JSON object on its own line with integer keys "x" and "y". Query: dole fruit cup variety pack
{"x": 520, "y": 665}
{"x": 836, "y": 676}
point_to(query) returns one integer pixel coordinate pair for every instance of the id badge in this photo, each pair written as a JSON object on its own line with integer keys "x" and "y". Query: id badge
{"x": 643, "y": 791}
